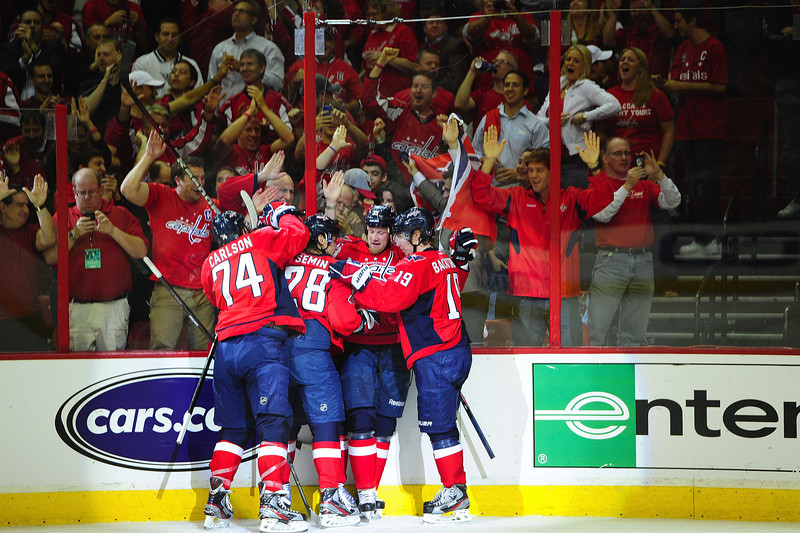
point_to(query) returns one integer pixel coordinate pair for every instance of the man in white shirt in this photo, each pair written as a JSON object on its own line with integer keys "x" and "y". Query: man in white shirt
{"x": 244, "y": 17}
{"x": 160, "y": 62}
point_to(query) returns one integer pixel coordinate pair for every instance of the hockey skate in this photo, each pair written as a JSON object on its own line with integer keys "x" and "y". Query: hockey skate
{"x": 380, "y": 505}
{"x": 218, "y": 509}
{"x": 276, "y": 516}
{"x": 337, "y": 508}
{"x": 367, "y": 504}
{"x": 451, "y": 504}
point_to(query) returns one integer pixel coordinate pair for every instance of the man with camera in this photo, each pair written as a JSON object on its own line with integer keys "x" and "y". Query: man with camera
{"x": 101, "y": 238}
{"x": 622, "y": 278}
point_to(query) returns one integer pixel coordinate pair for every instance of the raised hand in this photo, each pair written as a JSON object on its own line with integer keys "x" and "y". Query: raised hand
{"x": 104, "y": 225}
{"x": 155, "y": 146}
{"x": 339, "y": 140}
{"x": 491, "y": 149}
{"x": 272, "y": 169}
{"x": 450, "y": 133}
{"x": 38, "y": 195}
{"x": 333, "y": 189}
{"x": 11, "y": 153}
{"x": 388, "y": 55}
{"x": 590, "y": 155}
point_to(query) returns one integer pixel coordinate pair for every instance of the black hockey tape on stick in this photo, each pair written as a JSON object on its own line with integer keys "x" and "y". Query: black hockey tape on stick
{"x": 128, "y": 50}
{"x": 157, "y": 273}
{"x": 196, "y": 394}
{"x": 477, "y": 427}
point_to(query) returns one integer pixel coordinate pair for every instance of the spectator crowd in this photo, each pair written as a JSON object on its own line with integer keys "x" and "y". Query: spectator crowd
{"x": 644, "y": 92}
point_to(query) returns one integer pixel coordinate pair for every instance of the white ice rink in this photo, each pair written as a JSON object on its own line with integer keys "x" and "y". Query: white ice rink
{"x": 479, "y": 524}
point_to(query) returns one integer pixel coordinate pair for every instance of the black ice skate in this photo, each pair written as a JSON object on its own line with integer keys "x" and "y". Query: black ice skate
{"x": 451, "y": 504}
{"x": 218, "y": 509}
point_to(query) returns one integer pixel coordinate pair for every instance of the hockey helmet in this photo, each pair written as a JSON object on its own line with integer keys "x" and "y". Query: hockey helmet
{"x": 380, "y": 216}
{"x": 322, "y": 225}
{"x": 415, "y": 218}
{"x": 227, "y": 226}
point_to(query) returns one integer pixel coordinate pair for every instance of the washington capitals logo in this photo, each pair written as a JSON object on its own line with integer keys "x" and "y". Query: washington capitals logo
{"x": 197, "y": 231}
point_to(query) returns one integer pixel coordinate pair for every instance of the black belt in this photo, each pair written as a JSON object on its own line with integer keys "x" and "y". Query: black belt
{"x": 79, "y": 301}
{"x": 629, "y": 251}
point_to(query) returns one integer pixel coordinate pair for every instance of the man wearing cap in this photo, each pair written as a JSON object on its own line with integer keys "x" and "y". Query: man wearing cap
{"x": 601, "y": 72}
{"x": 101, "y": 238}
{"x": 336, "y": 71}
{"x": 160, "y": 62}
{"x": 244, "y": 17}
{"x": 377, "y": 172}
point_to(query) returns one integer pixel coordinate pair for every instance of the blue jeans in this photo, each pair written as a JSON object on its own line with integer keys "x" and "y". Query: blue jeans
{"x": 625, "y": 282}
{"x": 531, "y": 321}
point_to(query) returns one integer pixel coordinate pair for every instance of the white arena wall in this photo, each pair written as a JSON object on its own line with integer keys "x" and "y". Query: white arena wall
{"x": 705, "y": 434}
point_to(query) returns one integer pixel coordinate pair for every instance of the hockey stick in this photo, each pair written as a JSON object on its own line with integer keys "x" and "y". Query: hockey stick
{"x": 128, "y": 50}
{"x": 196, "y": 393}
{"x": 213, "y": 340}
{"x": 157, "y": 273}
{"x": 477, "y": 427}
{"x": 251, "y": 209}
{"x": 311, "y": 514}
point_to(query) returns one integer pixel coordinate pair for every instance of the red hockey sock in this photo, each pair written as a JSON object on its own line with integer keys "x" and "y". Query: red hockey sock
{"x": 382, "y": 453}
{"x": 225, "y": 461}
{"x": 450, "y": 463}
{"x": 327, "y": 459}
{"x": 286, "y": 471}
{"x": 271, "y": 461}
{"x": 362, "y": 461}
{"x": 343, "y": 464}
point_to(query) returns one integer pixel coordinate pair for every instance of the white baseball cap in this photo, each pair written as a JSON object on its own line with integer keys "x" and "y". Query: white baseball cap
{"x": 141, "y": 77}
{"x": 597, "y": 54}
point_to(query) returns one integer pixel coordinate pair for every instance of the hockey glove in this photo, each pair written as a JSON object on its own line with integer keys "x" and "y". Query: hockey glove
{"x": 360, "y": 279}
{"x": 274, "y": 211}
{"x": 369, "y": 319}
{"x": 343, "y": 269}
{"x": 462, "y": 246}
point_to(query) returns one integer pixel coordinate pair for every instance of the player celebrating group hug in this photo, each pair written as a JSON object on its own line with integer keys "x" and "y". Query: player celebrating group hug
{"x": 322, "y": 329}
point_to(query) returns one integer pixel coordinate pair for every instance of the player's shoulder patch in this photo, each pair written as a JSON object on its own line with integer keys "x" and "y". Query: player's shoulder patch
{"x": 413, "y": 258}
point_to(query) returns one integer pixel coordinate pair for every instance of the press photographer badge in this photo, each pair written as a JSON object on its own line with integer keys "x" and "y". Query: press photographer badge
{"x": 91, "y": 258}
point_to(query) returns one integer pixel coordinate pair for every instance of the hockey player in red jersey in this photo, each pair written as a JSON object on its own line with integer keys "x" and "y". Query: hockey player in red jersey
{"x": 328, "y": 312}
{"x": 251, "y": 377}
{"x": 375, "y": 379}
{"x": 425, "y": 292}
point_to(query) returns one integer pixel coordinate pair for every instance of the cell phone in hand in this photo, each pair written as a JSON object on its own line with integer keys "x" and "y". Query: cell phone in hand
{"x": 640, "y": 161}
{"x": 89, "y": 215}
{"x": 327, "y": 110}
{"x": 403, "y": 156}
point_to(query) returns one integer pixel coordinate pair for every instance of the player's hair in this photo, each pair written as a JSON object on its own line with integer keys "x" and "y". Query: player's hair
{"x": 261, "y": 59}
{"x": 538, "y": 155}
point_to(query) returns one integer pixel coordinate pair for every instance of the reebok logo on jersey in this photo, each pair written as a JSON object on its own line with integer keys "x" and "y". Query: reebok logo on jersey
{"x": 395, "y": 403}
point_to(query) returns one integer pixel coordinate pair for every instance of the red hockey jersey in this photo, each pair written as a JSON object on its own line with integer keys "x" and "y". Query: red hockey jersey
{"x": 382, "y": 267}
{"x": 243, "y": 279}
{"x": 330, "y": 304}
